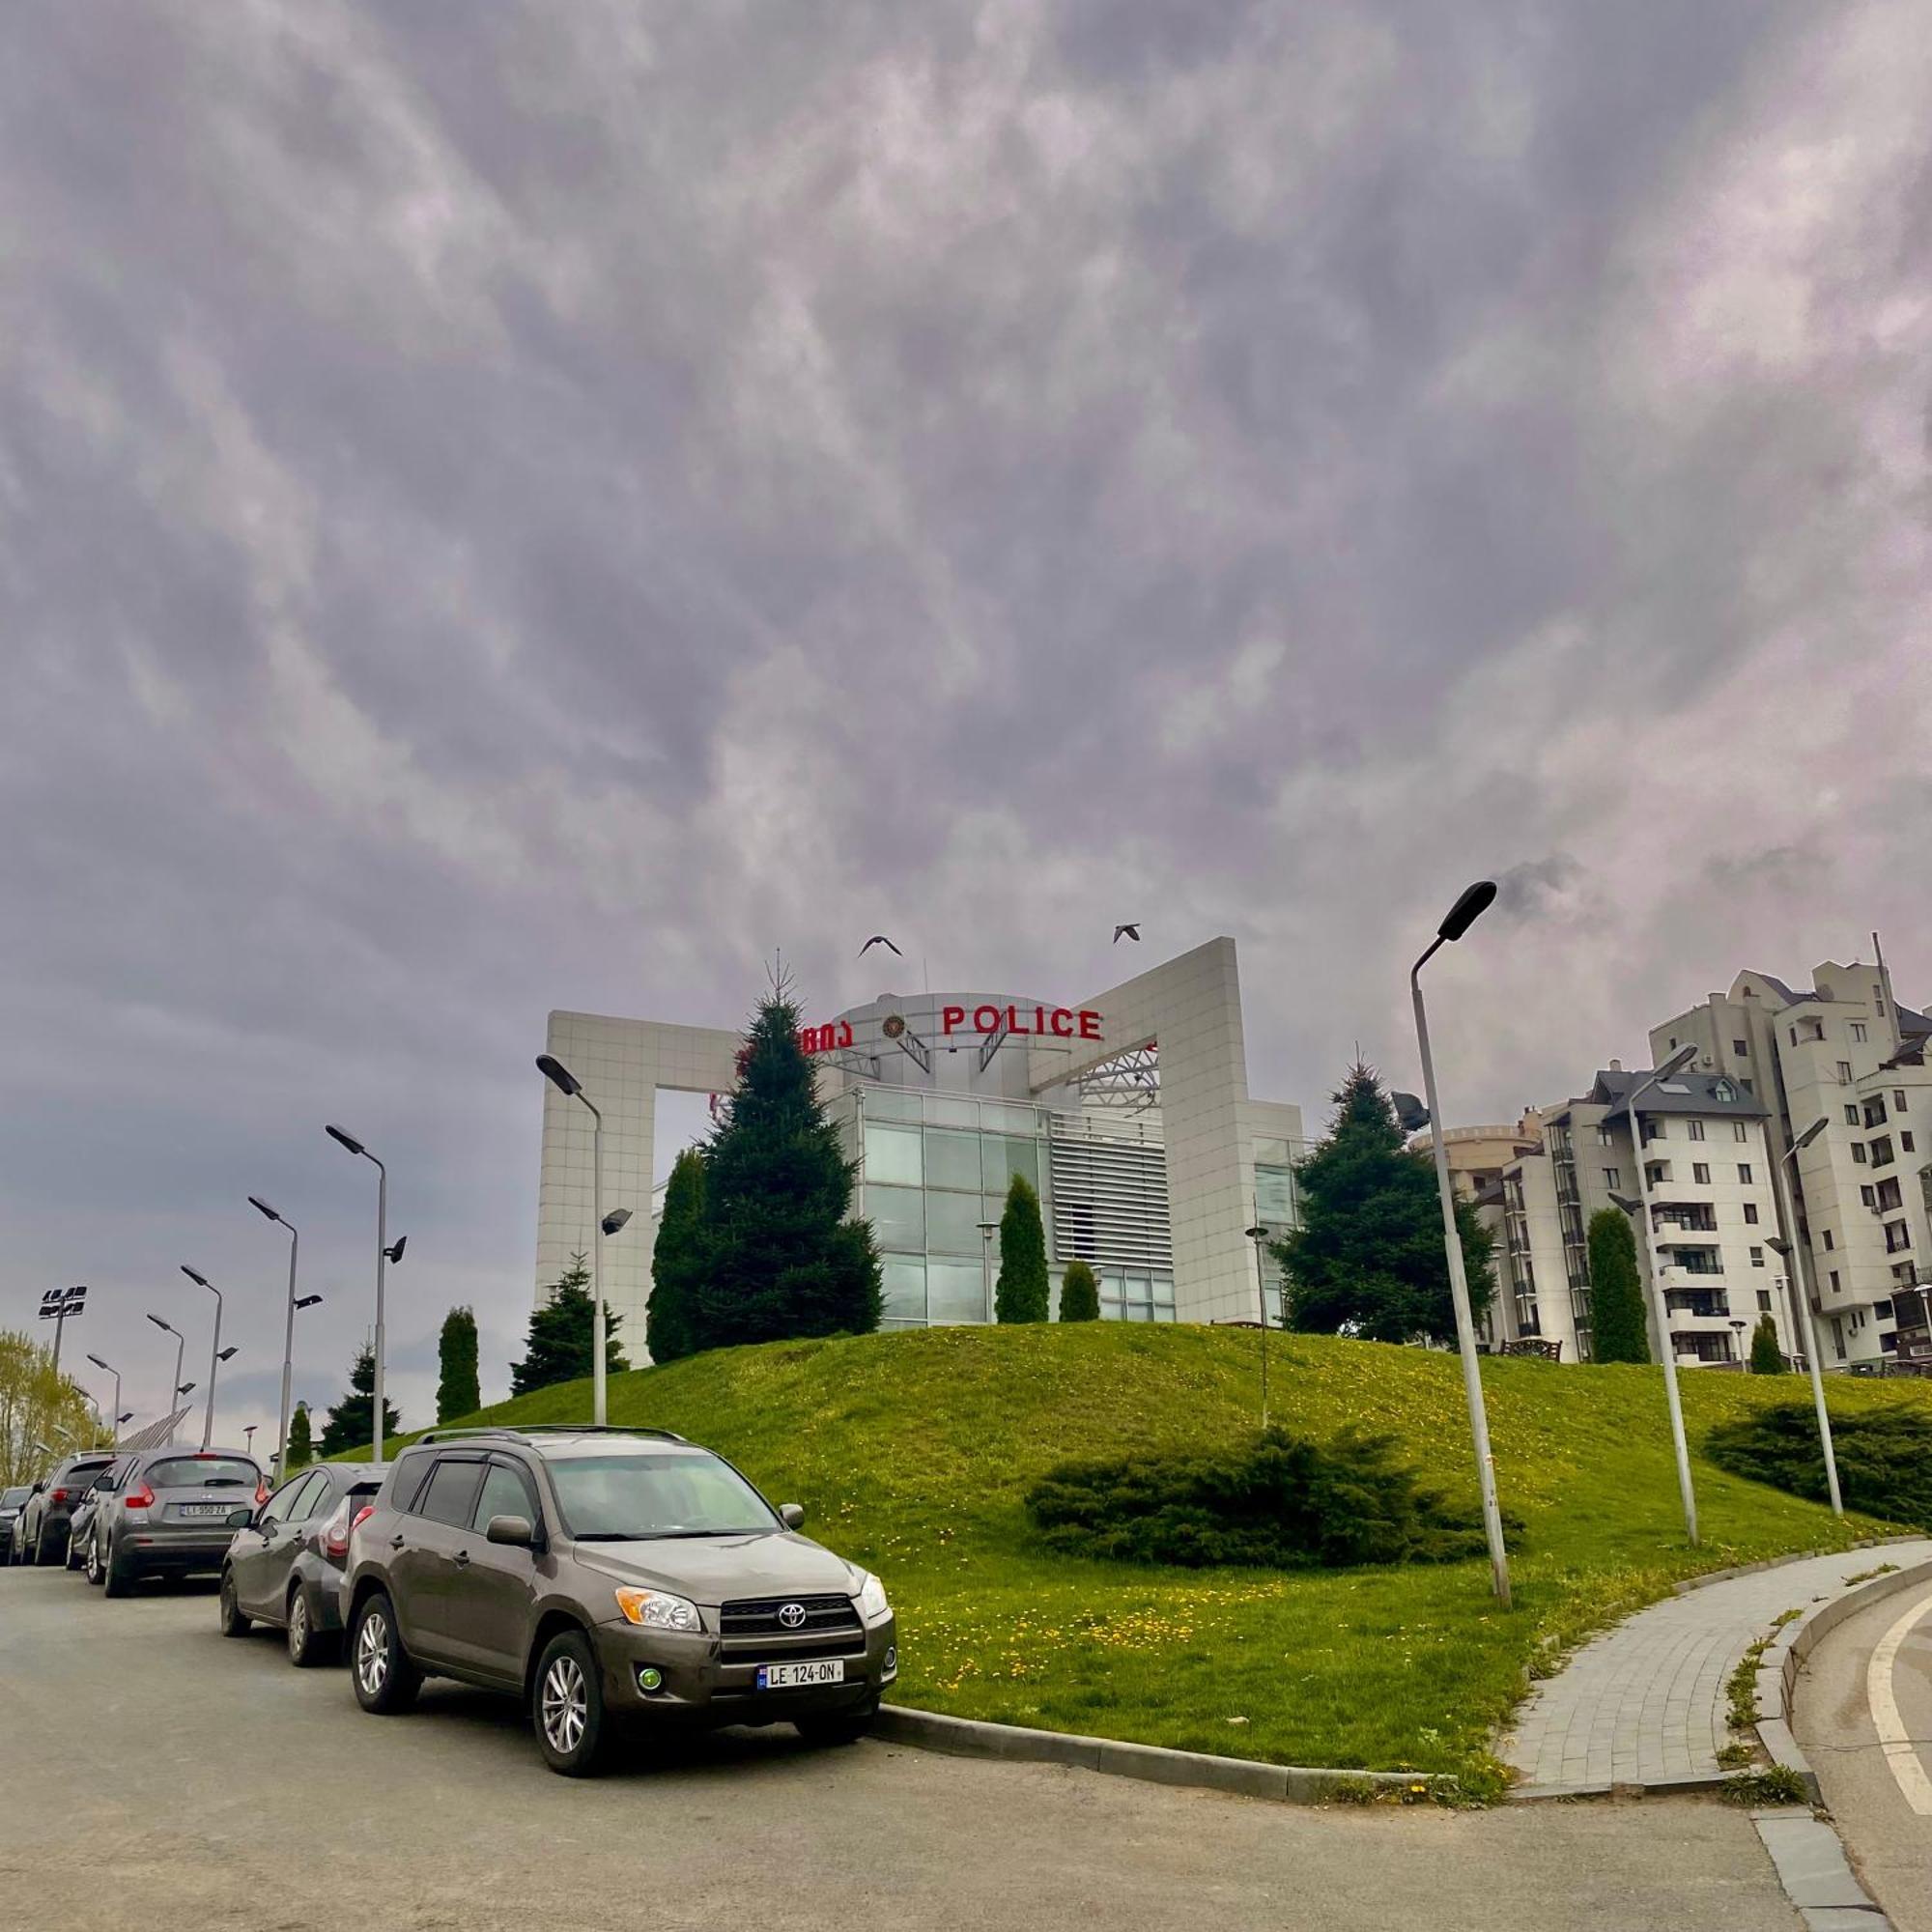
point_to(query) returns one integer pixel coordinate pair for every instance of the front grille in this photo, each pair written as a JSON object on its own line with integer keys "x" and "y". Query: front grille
{"x": 760, "y": 1650}
{"x": 758, "y": 1616}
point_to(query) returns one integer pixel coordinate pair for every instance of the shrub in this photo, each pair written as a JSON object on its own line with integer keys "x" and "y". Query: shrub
{"x": 1079, "y": 1295}
{"x": 1767, "y": 1359}
{"x": 1885, "y": 1457}
{"x": 1617, "y": 1332}
{"x": 1277, "y": 1502}
{"x": 1021, "y": 1293}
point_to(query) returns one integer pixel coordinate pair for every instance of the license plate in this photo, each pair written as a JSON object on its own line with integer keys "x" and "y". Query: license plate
{"x": 203, "y": 1509}
{"x": 791, "y": 1676}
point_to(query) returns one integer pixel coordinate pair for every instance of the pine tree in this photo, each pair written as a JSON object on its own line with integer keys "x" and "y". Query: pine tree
{"x": 780, "y": 1257}
{"x": 1079, "y": 1295}
{"x": 561, "y": 1343}
{"x": 1366, "y": 1257}
{"x": 1617, "y": 1328}
{"x": 302, "y": 1441}
{"x": 679, "y": 1261}
{"x": 1767, "y": 1359}
{"x": 1021, "y": 1293}
{"x": 458, "y": 1392}
{"x": 351, "y": 1422}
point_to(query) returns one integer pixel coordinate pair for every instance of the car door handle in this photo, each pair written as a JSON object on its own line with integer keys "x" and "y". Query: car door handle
{"x": 461, "y": 1559}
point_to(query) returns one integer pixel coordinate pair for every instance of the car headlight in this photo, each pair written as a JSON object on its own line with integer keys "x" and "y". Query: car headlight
{"x": 659, "y": 1610}
{"x": 871, "y": 1600}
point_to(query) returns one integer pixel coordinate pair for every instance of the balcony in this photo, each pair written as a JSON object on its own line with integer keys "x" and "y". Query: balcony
{"x": 1702, "y": 1304}
{"x": 1689, "y": 1218}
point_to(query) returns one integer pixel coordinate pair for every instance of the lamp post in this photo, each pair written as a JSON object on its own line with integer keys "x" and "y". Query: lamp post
{"x": 180, "y": 1343}
{"x": 215, "y": 1355}
{"x": 56, "y": 1305}
{"x": 567, "y": 1084}
{"x": 1737, "y": 1338}
{"x": 108, "y": 1368}
{"x": 1660, "y": 1311}
{"x": 987, "y": 1230}
{"x": 1805, "y": 1323}
{"x": 1463, "y": 914}
{"x": 356, "y": 1147}
{"x": 1258, "y": 1235}
{"x": 261, "y": 1207}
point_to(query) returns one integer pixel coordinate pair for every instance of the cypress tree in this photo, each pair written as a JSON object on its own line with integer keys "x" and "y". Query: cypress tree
{"x": 561, "y": 1343}
{"x": 1079, "y": 1295}
{"x": 351, "y": 1422}
{"x": 302, "y": 1441}
{"x": 1021, "y": 1293}
{"x": 1367, "y": 1256}
{"x": 458, "y": 1392}
{"x": 1617, "y": 1329}
{"x": 780, "y": 1257}
{"x": 678, "y": 1262}
{"x": 1767, "y": 1359}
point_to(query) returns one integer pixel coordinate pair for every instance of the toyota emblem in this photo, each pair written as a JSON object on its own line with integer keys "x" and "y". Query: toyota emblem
{"x": 792, "y": 1617}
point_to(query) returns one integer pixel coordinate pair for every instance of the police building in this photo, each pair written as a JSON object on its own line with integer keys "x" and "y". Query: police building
{"x": 1126, "y": 1109}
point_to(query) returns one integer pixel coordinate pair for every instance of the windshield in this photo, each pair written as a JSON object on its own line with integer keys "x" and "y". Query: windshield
{"x": 203, "y": 1472}
{"x": 618, "y": 1499}
{"x": 13, "y": 1498}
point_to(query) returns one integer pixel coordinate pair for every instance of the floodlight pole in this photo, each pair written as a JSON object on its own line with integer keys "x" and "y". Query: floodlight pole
{"x": 1797, "y": 1266}
{"x": 560, "y": 1076}
{"x": 1461, "y": 916}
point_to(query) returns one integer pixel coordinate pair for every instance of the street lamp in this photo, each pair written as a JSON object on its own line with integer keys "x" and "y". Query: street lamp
{"x": 1737, "y": 1338}
{"x": 1797, "y": 1265}
{"x": 108, "y": 1368}
{"x": 1659, "y": 1306}
{"x": 356, "y": 1147}
{"x": 987, "y": 1230}
{"x": 1463, "y": 914}
{"x": 1258, "y": 1235}
{"x": 180, "y": 1343}
{"x": 567, "y": 1084}
{"x": 215, "y": 1356}
{"x": 261, "y": 1207}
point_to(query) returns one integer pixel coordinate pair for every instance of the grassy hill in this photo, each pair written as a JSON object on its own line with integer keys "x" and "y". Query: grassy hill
{"x": 912, "y": 1451}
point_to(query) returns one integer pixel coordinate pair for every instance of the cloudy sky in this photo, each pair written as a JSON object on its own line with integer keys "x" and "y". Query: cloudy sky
{"x": 534, "y": 506}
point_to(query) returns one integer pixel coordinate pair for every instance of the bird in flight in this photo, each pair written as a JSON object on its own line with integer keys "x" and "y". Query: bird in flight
{"x": 1132, "y": 931}
{"x": 880, "y": 939}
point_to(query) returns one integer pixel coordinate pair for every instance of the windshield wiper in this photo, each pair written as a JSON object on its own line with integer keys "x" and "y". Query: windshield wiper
{"x": 657, "y": 1535}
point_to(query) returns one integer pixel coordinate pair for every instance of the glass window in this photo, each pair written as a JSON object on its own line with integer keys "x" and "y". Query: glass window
{"x": 1270, "y": 1152}
{"x": 1739, "y": 1131}
{"x": 903, "y": 1279}
{"x": 1163, "y": 1290}
{"x": 451, "y": 1493}
{"x": 999, "y": 1116}
{"x": 1757, "y": 1257}
{"x": 956, "y": 1291}
{"x": 1275, "y": 1194}
{"x": 1744, "y": 1173}
{"x": 1700, "y": 1174}
{"x": 280, "y": 1505}
{"x": 892, "y": 1158}
{"x": 620, "y": 1498}
{"x": 953, "y": 1224}
{"x": 1696, "y": 1130}
{"x": 1750, "y": 1213}
{"x": 898, "y": 1215}
{"x": 203, "y": 1472}
{"x": 318, "y": 1495}
{"x": 948, "y": 1110}
{"x": 503, "y": 1494}
{"x": 952, "y": 1159}
{"x": 882, "y": 1103}
{"x": 1005, "y": 1155}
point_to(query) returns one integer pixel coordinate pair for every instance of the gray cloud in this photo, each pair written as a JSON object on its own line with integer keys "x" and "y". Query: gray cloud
{"x": 528, "y": 508}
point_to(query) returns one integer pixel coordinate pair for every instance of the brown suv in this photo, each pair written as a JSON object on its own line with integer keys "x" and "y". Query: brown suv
{"x": 609, "y": 1578}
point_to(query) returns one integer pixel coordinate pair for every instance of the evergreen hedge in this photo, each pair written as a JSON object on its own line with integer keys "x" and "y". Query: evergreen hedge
{"x": 1883, "y": 1455}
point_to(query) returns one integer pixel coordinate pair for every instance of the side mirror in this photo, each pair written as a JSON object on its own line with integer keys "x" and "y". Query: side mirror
{"x": 518, "y": 1532}
{"x": 791, "y": 1515}
{"x": 240, "y": 1518}
{"x": 40, "y": 1487}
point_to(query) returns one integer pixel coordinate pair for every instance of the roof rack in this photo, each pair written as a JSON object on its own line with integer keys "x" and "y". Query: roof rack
{"x": 529, "y": 1429}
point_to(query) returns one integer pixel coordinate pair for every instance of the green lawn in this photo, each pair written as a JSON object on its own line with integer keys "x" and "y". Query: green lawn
{"x": 911, "y": 1453}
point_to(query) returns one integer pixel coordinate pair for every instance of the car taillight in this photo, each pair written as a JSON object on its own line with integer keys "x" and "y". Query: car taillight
{"x": 355, "y": 1521}
{"x": 139, "y": 1498}
{"x": 261, "y": 1490}
{"x": 335, "y": 1538}
{"x": 57, "y": 1495}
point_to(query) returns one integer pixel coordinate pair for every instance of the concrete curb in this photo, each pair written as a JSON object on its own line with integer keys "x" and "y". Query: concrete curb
{"x": 1688, "y": 1583}
{"x": 1284, "y": 1783}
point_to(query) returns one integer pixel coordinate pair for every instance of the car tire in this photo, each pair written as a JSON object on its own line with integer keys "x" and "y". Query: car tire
{"x": 567, "y": 1707}
{"x": 72, "y": 1560}
{"x": 386, "y": 1679}
{"x": 119, "y": 1579}
{"x": 43, "y": 1558}
{"x": 228, "y": 1612}
{"x": 91, "y": 1569}
{"x": 845, "y": 1728}
{"x": 308, "y": 1645}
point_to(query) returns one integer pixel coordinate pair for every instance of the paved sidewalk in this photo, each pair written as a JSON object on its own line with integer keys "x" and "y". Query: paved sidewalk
{"x": 1645, "y": 1703}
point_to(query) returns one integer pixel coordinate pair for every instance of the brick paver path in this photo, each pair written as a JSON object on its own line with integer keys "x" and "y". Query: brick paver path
{"x": 1645, "y": 1703}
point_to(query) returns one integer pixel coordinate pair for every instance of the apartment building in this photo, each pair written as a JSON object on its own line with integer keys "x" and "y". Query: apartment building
{"x": 1847, "y": 1055}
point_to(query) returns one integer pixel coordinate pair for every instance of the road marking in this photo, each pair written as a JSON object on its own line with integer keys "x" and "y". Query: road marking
{"x": 1899, "y": 1752}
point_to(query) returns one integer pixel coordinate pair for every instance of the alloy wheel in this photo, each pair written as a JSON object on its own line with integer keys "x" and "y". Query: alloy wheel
{"x": 93, "y": 1562}
{"x": 565, "y": 1706}
{"x": 372, "y": 1654}
{"x": 297, "y": 1626}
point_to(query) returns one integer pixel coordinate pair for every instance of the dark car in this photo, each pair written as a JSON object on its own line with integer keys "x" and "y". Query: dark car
{"x": 170, "y": 1515}
{"x": 610, "y": 1579}
{"x": 41, "y": 1535}
{"x": 11, "y": 1504}
{"x": 285, "y": 1566}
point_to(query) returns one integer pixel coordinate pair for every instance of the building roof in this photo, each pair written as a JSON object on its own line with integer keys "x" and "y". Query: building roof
{"x": 1687, "y": 1093}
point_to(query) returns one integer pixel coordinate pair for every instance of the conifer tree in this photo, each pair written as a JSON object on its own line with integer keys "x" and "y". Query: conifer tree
{"x": 1617, "y": 1327}
{"x": 1079, "y": 1295}
{"x": 1021, "y": 1293}
{"x": 678, "y": 1262}
{"x": 458, "y": 1391}
{"x": 351, "y": 1422}
{"x": 1767, "y": 1359}
{"x": 560, "y": 1346}
{"x": 301, "y": 1439}
{"x": 1366, "y": 1257}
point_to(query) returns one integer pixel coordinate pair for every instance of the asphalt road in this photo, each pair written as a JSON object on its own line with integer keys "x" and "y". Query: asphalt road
{"x": 1846, "y": 1711}
{"x": 154, "y": 1773}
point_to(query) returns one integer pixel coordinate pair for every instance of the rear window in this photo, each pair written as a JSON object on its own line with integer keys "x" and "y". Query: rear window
{"x": 203, "y": 1472}
{"x": 13, "y": 1498}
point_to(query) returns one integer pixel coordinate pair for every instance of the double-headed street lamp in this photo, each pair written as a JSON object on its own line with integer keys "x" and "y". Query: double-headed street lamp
{"x": 567, "y": 1083}
{"x": 261, "y": 1207}
{"x": 215, "y": 1355}
{"x": 383, "y": 1253}
{"x": 179, "y": 1388}
{"x": 1805, "y": 1324}
{"x": 108, "y": 1368}
{"x": 1463, "y": 914}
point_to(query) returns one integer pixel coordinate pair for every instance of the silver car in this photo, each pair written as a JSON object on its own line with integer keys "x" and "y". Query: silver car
{"x": 172, "y": 1512}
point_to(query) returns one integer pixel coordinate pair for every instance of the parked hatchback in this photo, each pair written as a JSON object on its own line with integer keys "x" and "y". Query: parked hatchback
{"x": 40, "y": 1534}
{"x": 80, "y": 1525}
{"x": 170, "y": 1515}
{"x": 609, "y": 1578}
{"x": 285, "y": 1565}
{"x": 12, "y": 1501}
